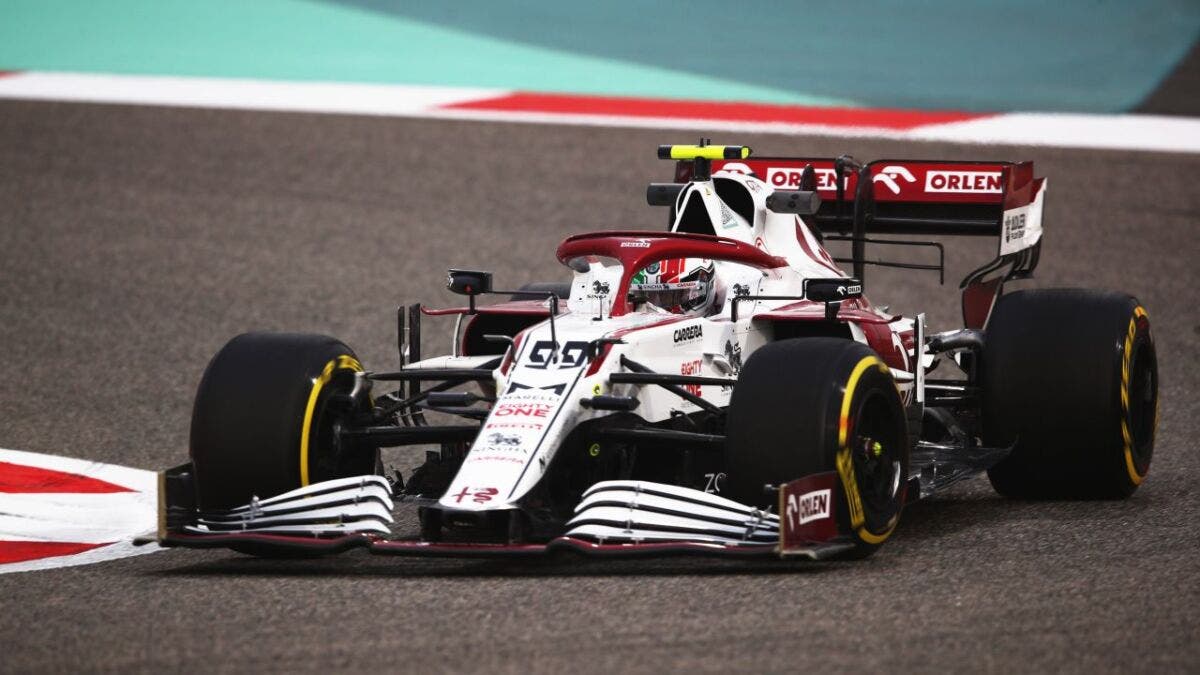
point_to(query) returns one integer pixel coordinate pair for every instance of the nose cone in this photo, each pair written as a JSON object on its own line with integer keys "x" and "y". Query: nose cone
{"x": 537, "y": 405}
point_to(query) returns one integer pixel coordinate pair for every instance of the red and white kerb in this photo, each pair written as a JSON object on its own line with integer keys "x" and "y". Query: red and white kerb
{"x": 59, "y": 511}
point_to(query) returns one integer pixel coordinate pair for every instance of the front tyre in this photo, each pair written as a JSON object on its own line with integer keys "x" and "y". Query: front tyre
{"x": 813, "y": 405}
{"x": 265, "y": 418}
{"x": 1069, "y": 377}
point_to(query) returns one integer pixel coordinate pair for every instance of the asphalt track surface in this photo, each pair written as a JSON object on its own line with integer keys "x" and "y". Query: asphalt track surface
{"x": 135, "y": 241}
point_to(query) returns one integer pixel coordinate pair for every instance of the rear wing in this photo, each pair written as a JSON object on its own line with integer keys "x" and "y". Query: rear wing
{"x": 918, "y": 197}
{"x": 1000, "y": 199}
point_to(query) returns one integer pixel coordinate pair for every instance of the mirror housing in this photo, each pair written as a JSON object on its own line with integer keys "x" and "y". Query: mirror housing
{"x": 468, "y": 282}
{"x": 799, "y": 202}
{"x": 832, "y": 290}
{"x": 663, "y": 194}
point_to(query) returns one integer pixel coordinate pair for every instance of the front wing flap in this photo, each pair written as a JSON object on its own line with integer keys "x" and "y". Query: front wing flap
{"x": 614, "y": 519}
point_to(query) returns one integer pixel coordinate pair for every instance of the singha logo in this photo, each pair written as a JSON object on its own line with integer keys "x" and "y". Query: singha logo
{"x": 503, "y": 439}
{"x": 741, "y": 290}
{"x": 733, "y": 354}
{"x": 600, "y": 288}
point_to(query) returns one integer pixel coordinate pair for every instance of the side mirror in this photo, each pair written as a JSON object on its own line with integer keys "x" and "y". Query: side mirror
{"x": 469, "y": 282}
{"x": 663, "y": 194}
{"x": 799, "y": 202}
{"x": 832, "y": 290}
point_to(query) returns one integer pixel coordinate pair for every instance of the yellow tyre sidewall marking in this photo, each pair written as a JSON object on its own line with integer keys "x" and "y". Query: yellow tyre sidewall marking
{"x": 343, "y": 362}
{"x": 1130, "y": 466}
{"x": 845, "y": 463}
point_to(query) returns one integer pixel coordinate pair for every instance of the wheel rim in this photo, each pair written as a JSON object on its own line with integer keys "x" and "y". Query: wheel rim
{"x": 329, "y": 457}
{"x": 876, "y": 448}
{"x": 1143, "y": 401}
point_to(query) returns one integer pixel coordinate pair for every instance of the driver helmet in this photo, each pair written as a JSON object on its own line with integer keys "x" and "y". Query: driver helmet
{"x": 678, "y": 285}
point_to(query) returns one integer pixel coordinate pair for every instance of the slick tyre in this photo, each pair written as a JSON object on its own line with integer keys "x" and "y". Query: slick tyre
{"x": 265, "y": 414}
{"x": 1069, "y": 377}
{"x": 814, "y": 405}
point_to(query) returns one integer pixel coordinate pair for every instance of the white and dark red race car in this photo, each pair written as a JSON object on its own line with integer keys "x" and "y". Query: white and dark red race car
{"x": 723, "y": 387}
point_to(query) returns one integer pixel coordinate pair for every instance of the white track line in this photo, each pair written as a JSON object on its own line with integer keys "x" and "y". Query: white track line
{"x": 209, "y": 92}
{"x": 1115, "y": 132}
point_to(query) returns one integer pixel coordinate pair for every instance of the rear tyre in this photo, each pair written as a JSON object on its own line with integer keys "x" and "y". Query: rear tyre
{"x": 265, "y": 415}
{"x": 1070, "y": 377}
{"x": 802, "y": 405}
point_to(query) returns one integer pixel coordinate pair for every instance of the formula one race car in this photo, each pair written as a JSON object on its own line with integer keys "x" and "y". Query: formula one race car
{"x": 723, "y": 387}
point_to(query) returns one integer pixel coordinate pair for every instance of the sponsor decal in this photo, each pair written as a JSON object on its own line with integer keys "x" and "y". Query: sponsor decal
{"x": 600, "y": 289}
{"x": 678, "y": 286}
{"x": 514, "y": 425}
{"x": 496, "y": 458}
{"x": 688, "y": 334}
{"x": 733, "y": 354}
{"x": 713, "y": 482}
{"x": 477, "y": 495}
{"x": 889, "y": 174}
{"x": 737, "y": 167}
{"x": 807, "y": 512}
{"x": 542, "y": 355}
{"x": 691, "y": 368}
{"x": 807, "y": 507}
{"x": 789, "y": 179}
{"x": 783, "y": 178}
{"x": 500, "y": 442}
{"x": 741, "y": 290}
{"x": 1021, "y": 227}
{"x": 529, "y": 425}
{"x": 726, "y": 216}
{"x": 653, "y": 267}
{"x": 507, "y": 409}
{"x": 850, "y": 290}
{"x": 499, "y": 439}
{"x": 963, "y": 181}
{"x": 1014, "y": 227}
{"x": 533, "y": 393}
{"x": 640, "y": 243}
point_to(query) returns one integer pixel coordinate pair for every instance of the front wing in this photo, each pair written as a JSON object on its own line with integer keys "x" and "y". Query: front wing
{"x": 613, "y": 519}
